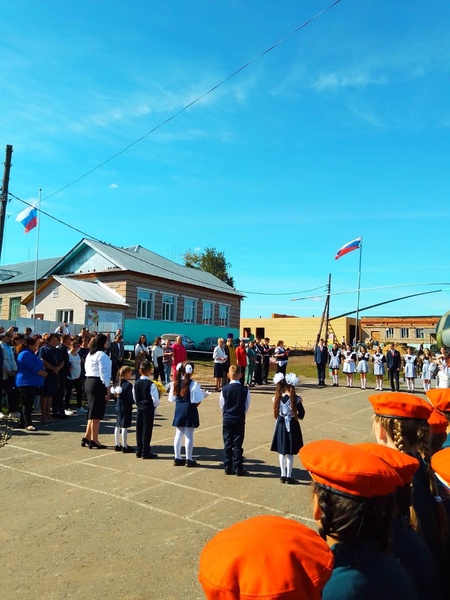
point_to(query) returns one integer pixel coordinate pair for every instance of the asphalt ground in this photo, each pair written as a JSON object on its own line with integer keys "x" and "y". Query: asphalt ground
{"x": 98, "y": 524}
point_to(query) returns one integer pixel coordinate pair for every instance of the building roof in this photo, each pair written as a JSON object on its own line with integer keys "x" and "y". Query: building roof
{"x": 94, "y": 292}
{"x": 132, "y": 258}
{"x": 25, "y": 271}
{"x": 146, "y": 262}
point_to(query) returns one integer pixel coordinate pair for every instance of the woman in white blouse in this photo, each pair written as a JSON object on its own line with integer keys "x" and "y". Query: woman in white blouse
{"x": 98, "y": 380}
{"x": 219, "y": 357}
{"x": 157, "y": 360}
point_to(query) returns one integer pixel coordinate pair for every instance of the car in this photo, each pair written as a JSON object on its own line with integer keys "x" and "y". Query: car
{"x": 208, "y": 344}
{"x": 171, "y": 337}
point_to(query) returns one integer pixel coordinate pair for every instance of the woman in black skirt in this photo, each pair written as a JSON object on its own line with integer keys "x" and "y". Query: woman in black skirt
{"x": 98, "y": 379}
{"x": 287, "y": 410}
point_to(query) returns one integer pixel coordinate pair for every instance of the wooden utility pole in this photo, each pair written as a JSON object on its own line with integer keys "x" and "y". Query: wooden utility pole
{"x": 4, "y": 194}
{"x": 325, "y": 315}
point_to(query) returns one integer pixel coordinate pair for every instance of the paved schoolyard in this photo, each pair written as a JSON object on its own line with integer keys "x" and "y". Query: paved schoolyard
{"x": 98, "y": 524}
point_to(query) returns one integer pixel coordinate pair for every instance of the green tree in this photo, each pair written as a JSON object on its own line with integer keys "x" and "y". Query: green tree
{"x": 212, "y": 261}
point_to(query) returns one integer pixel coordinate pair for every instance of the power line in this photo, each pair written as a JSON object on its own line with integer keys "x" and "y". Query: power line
{"x": 214, "y": 88}
{"x": 147, "y": 262}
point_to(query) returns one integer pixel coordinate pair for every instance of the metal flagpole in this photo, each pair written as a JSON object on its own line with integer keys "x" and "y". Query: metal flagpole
{"x": 357, "y": 295}
{"x": 37, "y": 260}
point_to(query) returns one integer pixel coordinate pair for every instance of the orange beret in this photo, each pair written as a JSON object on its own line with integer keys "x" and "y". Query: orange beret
{"x": 437, "y": 422}
{"x": 265, "y": 557}
{"x": 348, "y": 469}
{"x": 440, "y": 399}
{"x": 404, "y": 464}
{"x": 440, "y": 463}
{"x": 400, "y": 405}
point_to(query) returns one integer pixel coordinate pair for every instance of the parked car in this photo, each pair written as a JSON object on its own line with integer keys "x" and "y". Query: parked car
{"x": 208, "y": 344}
{"x": 171, "y": 337}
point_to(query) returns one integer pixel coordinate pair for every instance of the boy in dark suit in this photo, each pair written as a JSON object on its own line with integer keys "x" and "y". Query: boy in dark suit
{"x": 234, "y": 402}
{"x": 146, "y": 398}
{"x": 393, "y": 364}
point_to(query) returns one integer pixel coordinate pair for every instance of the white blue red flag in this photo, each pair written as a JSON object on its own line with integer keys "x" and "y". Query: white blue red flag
{"x": 28, "y": 218}
{"x": 353, "y": 245}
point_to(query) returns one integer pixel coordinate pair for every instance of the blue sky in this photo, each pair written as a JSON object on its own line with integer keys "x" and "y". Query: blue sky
{"x": 340, "y": 131}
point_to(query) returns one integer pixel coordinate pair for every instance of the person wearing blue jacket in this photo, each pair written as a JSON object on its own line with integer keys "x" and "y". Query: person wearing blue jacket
{"x": 30, "y": 377}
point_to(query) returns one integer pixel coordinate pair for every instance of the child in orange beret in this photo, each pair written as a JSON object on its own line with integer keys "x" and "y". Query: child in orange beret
{"x": 405, "y": 543}
{"x": 401, "y": 422}
{"x": 353, "y": 506}
{"x": 265, "y": 558}
{"x": 440, "y": 399}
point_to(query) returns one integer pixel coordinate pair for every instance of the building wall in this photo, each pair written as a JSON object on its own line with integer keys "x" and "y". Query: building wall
{"x": 296, "y": 332}
{"x": 400, "y": 330}
{"x": 127, "y": 285}
{"x": 56, "y": 297}
{"x": 15, "y": 291}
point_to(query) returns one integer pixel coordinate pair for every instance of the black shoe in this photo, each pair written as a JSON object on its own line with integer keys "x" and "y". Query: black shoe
{"x": 241, "y": 473}
{"x": 282, "y": 479}
{"x": 228, "y": 471}
{"x": 149, "y": 456}
{"x": 290, "y": 480}
{"x": 85, "y": 442}
{"x": 95, "y": 445}
{"x": 191, "y": 463}
{"x": 127, "y": 449}
{"x": 179, "y": 462}
{"x": 138, "y": 455}
{"x": 118, "y": 448}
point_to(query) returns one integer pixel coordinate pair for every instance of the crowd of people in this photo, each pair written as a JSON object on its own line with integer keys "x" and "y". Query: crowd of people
{"x": 382, "y": 509}
{"x": 421, "y": 364}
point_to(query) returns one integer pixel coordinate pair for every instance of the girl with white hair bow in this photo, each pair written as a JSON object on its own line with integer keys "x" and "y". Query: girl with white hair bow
{"x": 288, "y": 410}
{"x": 187, "y": 395}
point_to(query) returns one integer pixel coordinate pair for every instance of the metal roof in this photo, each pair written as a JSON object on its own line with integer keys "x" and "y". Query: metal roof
{"x": 141, "y": 260}
{"x": 26, "y": 270}
{"x": 91, "y": 291}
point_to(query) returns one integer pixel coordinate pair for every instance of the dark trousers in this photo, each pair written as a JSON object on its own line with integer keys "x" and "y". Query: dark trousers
{"x": 58, "y": 399}
{"x": 115, "y": 366}
{"x": 226, "y": 367}
{"x": 265, "y": 368}
{"x": 144, "y": 431}
{"x": 73, "y": 384}
{"x": 27, "y": 394}
{"x": 394, "y": 379}
{"x": 233, "y": 433}
{"x": 258, "y": 373}
{"x": 159, "y": 370}
{"x": 321, "y": 367}
{"x": 12, "y": 394}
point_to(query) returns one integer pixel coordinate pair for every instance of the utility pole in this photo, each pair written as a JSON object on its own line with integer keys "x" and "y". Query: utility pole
{"x": 4, "y": 194}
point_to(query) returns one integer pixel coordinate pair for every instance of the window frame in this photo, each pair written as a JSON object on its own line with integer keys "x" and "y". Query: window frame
{"x": 208, "y": 321}
{"x": 224, "y": 322}
{"x": 192, "y": 309}
{"x": 14, "y": 307}
{"x": 140, "y": 302}
{"x": 171, "y": 307}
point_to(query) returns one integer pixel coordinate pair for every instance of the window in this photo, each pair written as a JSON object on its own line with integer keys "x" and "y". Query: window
{"x": 144, "y": 304}
{"x": 1, "y": 306}
{"x": 64, "y": 316}
{"x": 190, "y": 306}
{"x": 224, "y": 315}
{"x": 404, "y": 333}
{"x": 420, "y": 333}
{"x": 389, "y": 332}
{"x": 168, "y": 308}
{"x": 14, "y": 308}
{"x": 207, "y": 315}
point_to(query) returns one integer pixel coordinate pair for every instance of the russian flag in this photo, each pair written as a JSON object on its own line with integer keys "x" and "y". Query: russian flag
{"x": 28, "y": 218}
{"x": 353, "y": 245}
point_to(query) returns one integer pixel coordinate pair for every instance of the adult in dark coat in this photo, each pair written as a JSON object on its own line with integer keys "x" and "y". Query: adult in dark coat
{"x": 393, "y": 364}
{"x": 116, "y": 353}
{"x": 321, "y": 360}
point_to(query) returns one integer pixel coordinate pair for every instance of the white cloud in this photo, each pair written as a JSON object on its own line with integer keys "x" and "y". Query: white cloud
{"x": 113, "y": 186}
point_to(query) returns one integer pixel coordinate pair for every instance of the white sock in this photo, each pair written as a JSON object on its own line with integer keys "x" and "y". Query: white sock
{"x": 125, "y": 437}
{"x": 117, "y": 436}
{"x": 282, "y": 464}
{"x": 289, "y": 464}
{"x": 179, "y": 431}
{"x": 189, "y": 441}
